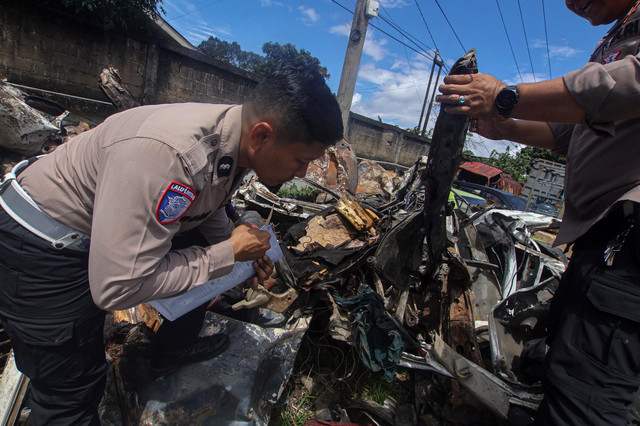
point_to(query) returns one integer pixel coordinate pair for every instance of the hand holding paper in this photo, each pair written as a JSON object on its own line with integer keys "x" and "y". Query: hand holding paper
{"x": 177, "y": 306}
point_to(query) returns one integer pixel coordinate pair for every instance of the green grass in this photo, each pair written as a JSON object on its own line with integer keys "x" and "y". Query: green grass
{"x": 292, "y": 191}
{"x": 373, "y": 387}
{"x": 295, "y": 414}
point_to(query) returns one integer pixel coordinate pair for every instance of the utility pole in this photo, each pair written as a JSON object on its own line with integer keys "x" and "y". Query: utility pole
{"x": 426, "y": 95}
{"x": 433, "y": 94}
{"x": 365, "y": 9}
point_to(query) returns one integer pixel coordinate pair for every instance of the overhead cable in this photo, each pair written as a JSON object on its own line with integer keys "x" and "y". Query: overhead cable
{"x": 195, "y": 10}
{"x": 386, "y": 33}
{"x": 546, "y": 38}
{"x": 509, "y": 41}
{"x": 403, "y": 33}
{"x": 411, "y": 38}
{"x": 425, "y": 24}
{"x": 451, "y": 26}
{"x": 524, "y": 30}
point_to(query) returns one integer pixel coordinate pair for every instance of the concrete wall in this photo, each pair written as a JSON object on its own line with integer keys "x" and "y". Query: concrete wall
{"x": 46, "y": 50}
{"x": 383, "y": 142}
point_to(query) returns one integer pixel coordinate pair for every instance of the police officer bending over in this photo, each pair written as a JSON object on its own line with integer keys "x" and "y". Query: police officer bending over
{"x": 90, "y": 227}
{"x": 592, "y": 369}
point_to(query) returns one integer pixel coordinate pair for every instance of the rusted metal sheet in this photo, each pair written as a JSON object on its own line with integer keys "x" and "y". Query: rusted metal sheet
{"x": 361, "y": 219}
{"x": 331, "y": 231}
{"x": 143, "y": 313}
{"x": 337, "y": 169}
{"x": 373, "y": 179}
{"x": 481, "y": 169}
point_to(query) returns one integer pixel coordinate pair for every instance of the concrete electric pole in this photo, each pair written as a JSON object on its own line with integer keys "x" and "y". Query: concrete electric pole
{"x": 365, "y": 9}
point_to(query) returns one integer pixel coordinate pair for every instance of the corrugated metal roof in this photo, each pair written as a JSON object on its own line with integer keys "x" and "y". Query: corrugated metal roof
{"x": 481, "y": 168}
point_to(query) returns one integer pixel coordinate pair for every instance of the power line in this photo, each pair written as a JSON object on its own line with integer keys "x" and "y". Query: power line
{"x": 406, "y": 56}
{"x": 195, "y": 10}
{"x": 509, "y": 40}
{"x": 396, "y": 26}
{"x": 451, "y": 26}
{"x": 386, "y": 33}
{"x": 403, "y": 33}
{"x": 526, "y": 41}
{"x": 546, "y": 38}
{"x": 425, "y": 24}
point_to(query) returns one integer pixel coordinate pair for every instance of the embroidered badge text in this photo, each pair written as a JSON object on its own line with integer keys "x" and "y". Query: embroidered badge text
{"x": 175, "y": 202}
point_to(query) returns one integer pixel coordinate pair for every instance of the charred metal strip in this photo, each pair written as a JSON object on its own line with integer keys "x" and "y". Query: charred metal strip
{"x": 334, "y": 194}
{"x": 491, "y": 391}
{"x": 399, "y": 253}
{"x": 482, "y": 265}
{"x": 444, "y": 154}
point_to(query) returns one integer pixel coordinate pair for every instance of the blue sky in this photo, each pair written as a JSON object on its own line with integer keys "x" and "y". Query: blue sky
{"x": 393, "y": 76}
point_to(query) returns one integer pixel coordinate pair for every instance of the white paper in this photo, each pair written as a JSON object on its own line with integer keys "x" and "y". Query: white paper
{"x": 174, "y": 307}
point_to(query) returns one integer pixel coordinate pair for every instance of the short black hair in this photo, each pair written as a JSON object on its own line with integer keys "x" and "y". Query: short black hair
{"x": 298, "y": 99}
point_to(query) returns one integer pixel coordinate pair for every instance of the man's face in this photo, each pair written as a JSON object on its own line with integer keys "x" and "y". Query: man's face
{"x": 279, "y": 162}
{"x": 600, "y": 12}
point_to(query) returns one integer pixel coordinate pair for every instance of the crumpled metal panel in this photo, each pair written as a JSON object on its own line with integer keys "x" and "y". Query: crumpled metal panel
{"x": 238, "y": 387}
{"x": 22, "y": 129}
{"x": 337, "y": 169}
{"x": 331, "y": 231}
{"x": 373, "y": 179}
{"x": 399, "y": 253}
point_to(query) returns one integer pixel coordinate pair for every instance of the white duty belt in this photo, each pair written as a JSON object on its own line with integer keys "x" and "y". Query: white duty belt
{"x": 17, "y": 203}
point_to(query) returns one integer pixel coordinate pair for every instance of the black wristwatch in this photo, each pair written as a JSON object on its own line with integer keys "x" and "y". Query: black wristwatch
{"x": 507, "y": 99}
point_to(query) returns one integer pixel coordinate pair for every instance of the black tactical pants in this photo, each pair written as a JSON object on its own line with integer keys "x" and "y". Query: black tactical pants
{"x": 56, "y": 330}
{"x": 54, "y": 326}
{"x": 592, "y": 369}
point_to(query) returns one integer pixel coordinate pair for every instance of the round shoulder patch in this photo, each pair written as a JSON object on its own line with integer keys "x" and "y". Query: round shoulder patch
{"x": 175, "y": 202}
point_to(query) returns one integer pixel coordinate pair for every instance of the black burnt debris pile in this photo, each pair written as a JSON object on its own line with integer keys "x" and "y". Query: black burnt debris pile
{"x": 395, "y": 303}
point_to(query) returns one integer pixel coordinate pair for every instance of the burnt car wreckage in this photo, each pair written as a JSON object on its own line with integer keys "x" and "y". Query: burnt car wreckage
{"x": 379, "y": 272}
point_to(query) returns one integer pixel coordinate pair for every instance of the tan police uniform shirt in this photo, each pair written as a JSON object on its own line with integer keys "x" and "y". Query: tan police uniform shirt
{"x": 133, "y": 183}
{"x": 603, "y": 160}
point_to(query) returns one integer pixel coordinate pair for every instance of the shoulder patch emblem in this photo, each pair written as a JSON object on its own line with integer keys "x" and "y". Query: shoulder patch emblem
{"x": 175, "y": 202}
{"x": 225, "y": 164}
{"x": 612, "y": 57}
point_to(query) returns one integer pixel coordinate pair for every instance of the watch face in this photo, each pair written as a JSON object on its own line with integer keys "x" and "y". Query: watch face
{"x": 507, "y": 98}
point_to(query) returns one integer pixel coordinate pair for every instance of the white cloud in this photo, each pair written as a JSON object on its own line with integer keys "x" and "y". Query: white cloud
{"x": 527, "y": 77}
{"x": 563, "y": 52}
{"x": 342, "y": 30}
{"x": 392, "y": 4}
{"x": 309, "y": 14}
{"x": 373, "y": 47}
{"x": 557, "y": 51}
{"x": 199, "y": 33}
{"x": 394, "y": 96}
{"x": 269, "y": 3}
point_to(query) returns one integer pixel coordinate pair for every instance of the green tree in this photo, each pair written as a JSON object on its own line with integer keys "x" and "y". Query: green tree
{"x": 222, "y": 50}
{"x": 519, "y": 164}
{"x": 110, "y": 14}
{"x": 273, "y": 53}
